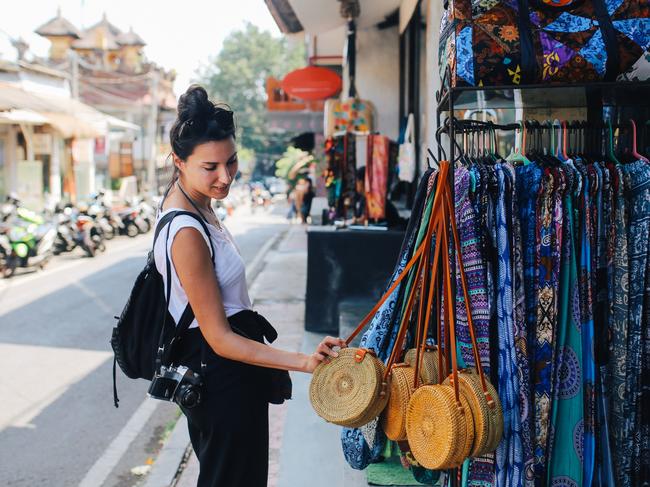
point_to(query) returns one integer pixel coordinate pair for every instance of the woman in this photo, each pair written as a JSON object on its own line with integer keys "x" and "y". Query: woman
{"x": 229, "y": 428}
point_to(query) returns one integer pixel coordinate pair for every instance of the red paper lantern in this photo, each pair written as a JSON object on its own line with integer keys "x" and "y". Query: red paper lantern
{"x": 312, "y": 83}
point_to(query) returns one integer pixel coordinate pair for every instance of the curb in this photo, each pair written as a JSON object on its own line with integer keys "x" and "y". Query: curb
{"x": 168, "y": 465}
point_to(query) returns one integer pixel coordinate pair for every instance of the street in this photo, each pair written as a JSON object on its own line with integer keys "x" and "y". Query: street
{"x": 58, "y": 425}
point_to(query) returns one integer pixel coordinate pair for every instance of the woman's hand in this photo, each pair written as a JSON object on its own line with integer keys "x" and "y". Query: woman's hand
{"x": 324, "y": 352}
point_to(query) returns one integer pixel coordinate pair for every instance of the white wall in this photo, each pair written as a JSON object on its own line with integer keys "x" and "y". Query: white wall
{"x": 434, "y": 11}
{"x": 378, "y": 76}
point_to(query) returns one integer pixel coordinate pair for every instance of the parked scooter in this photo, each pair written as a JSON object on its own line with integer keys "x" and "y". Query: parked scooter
{"x": 5, "y": 250}
{"x": 133, "y": 222}
{"x": 64, "y": 241}
{"x": 32, "y": 244}
{"x": 88, "y": 235}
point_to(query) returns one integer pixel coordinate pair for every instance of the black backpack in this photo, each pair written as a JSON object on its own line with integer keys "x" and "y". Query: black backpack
{"x": 145, "y": 325}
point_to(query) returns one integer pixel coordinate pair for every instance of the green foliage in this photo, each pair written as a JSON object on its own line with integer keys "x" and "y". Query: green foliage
{"x": 290, "y": 160}
{"x": 237, "y": 76}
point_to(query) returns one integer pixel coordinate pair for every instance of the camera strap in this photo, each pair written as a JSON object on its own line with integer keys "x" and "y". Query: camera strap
{"x": 186, "y": 319}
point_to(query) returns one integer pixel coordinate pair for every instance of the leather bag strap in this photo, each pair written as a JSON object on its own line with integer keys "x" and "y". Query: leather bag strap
{"x": 414, "y": 259}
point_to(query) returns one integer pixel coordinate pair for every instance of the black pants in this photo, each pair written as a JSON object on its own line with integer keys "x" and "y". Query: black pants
{"x": 229, "y": 429}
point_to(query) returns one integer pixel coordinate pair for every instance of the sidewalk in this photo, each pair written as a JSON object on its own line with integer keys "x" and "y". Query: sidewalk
{"x": 304, "y": 449}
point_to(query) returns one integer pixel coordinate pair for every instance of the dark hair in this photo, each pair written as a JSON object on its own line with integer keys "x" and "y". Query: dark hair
{"x": 361, "y": 172}
{"x": 199, "y": 120}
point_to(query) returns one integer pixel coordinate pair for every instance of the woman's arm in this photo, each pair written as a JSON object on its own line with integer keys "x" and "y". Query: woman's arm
{"x": 193, "y": 265}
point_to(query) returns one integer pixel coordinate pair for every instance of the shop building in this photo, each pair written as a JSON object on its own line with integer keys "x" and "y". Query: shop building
{"x": 109, "y": 71}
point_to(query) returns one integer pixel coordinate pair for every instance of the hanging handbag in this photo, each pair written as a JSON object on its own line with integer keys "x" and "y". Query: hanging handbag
{"x": 402, "y": 382}
{"x": 501, "y": 42}
{"x": 350, "y": 115}
{"x": 465, "y": 410}
{"x": 353, "y": 389}
{"x": 406, "y": 154}
{"x": 439, "y": 423}
{"x": 361, "y": 446}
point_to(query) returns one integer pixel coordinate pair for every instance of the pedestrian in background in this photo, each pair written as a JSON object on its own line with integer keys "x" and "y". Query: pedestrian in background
{"x": 307, "y": 198}
{"x": 229, "y": 427}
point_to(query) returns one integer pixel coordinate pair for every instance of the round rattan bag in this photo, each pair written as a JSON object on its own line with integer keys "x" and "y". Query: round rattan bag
{"x": 429, "y": 367}
{"x": 488, "y": 416}
{"x": 400, "y": 387}
{"x": 348, "y": 391}
{"x": 437, "y": 428}
{"x": 495, "y": 416}
{"x": 473, "y": 393}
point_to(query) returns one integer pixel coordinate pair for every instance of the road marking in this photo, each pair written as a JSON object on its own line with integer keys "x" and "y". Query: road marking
{"x": 105, "y": 464}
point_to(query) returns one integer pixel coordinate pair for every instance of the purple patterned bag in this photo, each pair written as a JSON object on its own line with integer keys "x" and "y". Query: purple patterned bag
{"x": 512, "y": 42}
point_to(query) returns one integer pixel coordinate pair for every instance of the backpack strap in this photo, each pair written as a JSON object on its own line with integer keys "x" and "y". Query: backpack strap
{"x": 164, "y": 350}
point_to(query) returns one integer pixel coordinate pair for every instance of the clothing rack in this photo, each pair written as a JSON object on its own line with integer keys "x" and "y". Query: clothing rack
{"x": 593, "y": 96}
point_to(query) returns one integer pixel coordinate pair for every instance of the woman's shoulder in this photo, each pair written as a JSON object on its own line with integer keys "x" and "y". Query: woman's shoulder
{"x": 178, "y": 224}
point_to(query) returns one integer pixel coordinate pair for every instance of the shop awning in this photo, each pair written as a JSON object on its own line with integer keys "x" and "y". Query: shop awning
{"x": 27, "y": 117}
{"x": 319, "y": 17}
{"x": 118, "y": 123}
{"x": 70, "y": 117}
{"x": 70, "y": 126}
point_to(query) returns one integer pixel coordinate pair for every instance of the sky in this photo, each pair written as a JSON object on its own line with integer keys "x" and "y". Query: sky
{"x": 180, "y": 34}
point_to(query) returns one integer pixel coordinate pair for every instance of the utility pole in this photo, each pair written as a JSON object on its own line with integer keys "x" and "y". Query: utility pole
{"x": 152, "y": 132}
{"x": 74, "y": 76}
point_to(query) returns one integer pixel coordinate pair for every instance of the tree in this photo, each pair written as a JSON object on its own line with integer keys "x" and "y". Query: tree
{"x": 293, "y": 164}
{"x": 237, "y": 76}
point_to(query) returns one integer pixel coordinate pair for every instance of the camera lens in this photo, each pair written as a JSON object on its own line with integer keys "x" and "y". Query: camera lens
{"x": 190, "y": 397}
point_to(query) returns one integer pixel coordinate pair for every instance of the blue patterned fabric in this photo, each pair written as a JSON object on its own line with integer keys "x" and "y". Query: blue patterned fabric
{"x": 546, "y": 288}
{"x": 587, "y": 327}
{"x": 637, "y": 178}
{"x": 509, "y": 456}
{"x": 613, "y": 5}
{"x": 638, "y": 30}
{"x": 618, "y": 323}
{"x": 596, "y": 53}
{"x": 571, "y": 23}
{"x": 465, "y": 55}
{"x": 528, "y": 186}
{"x": 480, "y": 471}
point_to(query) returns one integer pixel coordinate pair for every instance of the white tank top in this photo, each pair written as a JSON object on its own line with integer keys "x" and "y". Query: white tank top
{"x": 229, "y": 266}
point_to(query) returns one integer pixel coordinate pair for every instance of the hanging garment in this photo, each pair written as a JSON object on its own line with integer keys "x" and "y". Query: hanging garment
{"x": 480, "y": 471}
{"x": 361, "y": 148}
{"x": 377, "y": 176}
{"x": 406, "y": 157}
{"x": 637, "y": 178}
{"x": 565, "y": 456}
{"x": 587, "y": 326}
{"x": 528, "y": 186}
{"x": 546, "y": 288}
{"x": 381, "y": 334}
{"x": 348, "y": 174}
{"x": 509, "y": 454}
{"x": 604, "y": 475}
{"x": 475, "y": 274}
{"x": 618, "y": 324}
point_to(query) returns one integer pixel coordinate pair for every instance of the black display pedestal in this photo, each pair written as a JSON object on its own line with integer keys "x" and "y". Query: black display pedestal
{"x": 346, "y": 265}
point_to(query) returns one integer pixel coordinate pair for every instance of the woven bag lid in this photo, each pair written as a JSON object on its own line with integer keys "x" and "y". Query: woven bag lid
{"x": 343, "y": 390}
{"x": 433, "y": 426}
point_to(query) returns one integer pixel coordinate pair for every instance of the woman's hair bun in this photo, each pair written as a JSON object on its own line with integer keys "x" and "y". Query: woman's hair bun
{"x": 199, "y": 120}
{"x": 194, "y": 104}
